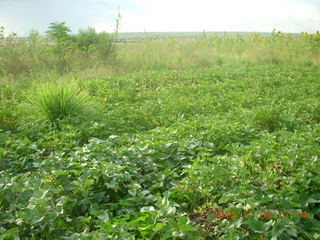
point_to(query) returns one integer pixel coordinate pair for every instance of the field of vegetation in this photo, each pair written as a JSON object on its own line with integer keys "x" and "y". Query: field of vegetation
{"x": 154, "y": 139}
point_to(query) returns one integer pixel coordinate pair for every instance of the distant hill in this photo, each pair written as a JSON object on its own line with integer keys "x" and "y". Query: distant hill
{"x": 134, "y": 36}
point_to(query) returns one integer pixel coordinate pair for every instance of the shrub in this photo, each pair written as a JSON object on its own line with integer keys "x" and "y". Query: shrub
{"x": 87, "y": 39}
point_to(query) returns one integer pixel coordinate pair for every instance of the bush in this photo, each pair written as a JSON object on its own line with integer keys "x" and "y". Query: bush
{"x": 87, "y": 39}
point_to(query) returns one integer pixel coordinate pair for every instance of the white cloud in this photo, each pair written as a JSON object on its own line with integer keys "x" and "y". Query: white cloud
{"x": 163, "y": 15}
{"x": 227, "y": 15}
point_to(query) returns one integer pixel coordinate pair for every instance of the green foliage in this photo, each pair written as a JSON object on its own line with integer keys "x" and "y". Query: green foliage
{"x": 269, "y": 118}
{"x": 168, "y": 144}
{"x": 87, "y": 39}
{"x": 34, "y": 38}
{"x": 105, "y": 47}
{"x": 59, "y": 33}
{"x": 64, "y": 53}
{"x": 259, "y": 177}
{"x": 56, "y": 101}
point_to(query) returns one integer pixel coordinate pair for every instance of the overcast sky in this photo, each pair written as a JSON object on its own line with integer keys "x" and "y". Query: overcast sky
{"x": 163, "y": 15}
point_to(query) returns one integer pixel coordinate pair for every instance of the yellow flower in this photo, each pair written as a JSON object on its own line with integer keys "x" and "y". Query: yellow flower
{"x": 48, "y": 180}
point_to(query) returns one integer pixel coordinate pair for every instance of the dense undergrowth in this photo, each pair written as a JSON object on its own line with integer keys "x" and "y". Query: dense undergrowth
{"x": 162, "y": 149}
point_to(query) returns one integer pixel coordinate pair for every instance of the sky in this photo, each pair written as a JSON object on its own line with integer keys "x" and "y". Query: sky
{"x": 294, "y": 16}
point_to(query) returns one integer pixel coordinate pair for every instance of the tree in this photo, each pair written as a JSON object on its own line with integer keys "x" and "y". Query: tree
{"x": 59, "y": 33}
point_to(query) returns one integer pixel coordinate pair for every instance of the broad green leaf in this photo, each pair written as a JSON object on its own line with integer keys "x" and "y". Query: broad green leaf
{"x": 256, "y": 225}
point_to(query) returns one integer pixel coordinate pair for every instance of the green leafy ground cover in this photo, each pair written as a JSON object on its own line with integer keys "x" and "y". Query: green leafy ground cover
{"x": 163, "y": 150}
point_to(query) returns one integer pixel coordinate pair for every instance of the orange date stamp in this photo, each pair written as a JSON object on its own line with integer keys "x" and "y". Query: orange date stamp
{"x": 234, "y": 214}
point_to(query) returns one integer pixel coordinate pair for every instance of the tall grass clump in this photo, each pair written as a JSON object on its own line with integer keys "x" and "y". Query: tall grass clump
{"x": 54, "y": 102}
